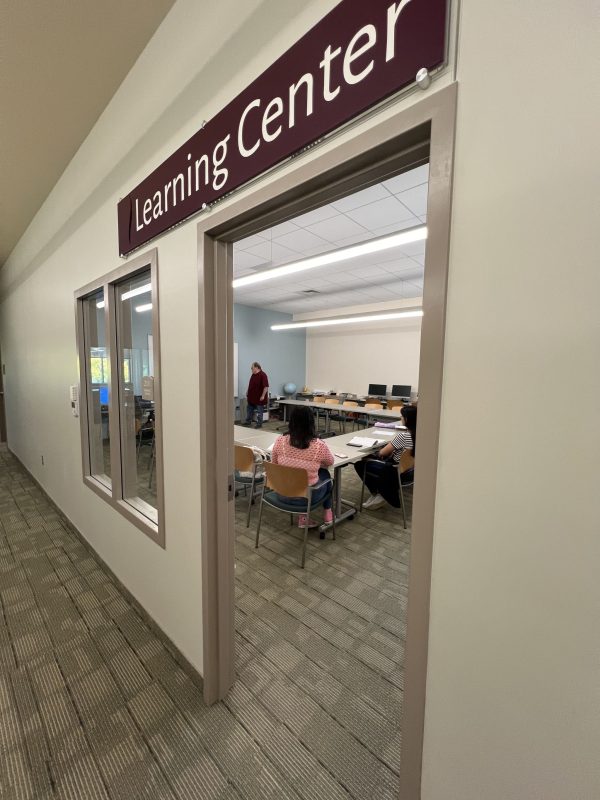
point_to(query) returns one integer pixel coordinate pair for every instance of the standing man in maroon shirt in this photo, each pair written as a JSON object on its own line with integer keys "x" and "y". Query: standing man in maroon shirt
{"x": 258, "y": 390}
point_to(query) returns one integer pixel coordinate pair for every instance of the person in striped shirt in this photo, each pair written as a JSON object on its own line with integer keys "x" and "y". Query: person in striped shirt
{"x": 382, "y": 473}
{"x": 301, "y": 448}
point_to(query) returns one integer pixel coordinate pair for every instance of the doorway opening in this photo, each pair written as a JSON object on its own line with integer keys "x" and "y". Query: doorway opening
{"x": 320, "y": 620}
{"x": 311, "y": 651}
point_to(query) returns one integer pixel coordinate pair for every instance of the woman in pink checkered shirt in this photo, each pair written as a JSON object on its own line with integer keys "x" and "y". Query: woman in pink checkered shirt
{"x": 301, "y": 448}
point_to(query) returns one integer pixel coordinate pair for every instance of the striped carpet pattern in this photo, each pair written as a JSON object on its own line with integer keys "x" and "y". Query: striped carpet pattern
{"x": 94, "y": 702}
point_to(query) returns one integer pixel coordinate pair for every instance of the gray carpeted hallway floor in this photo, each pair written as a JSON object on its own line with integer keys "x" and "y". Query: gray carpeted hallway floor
{"x": 93, "y": 703}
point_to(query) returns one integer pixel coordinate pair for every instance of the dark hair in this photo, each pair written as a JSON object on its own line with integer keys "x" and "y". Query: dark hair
{"x": 256, "y": 364}
{"x": 409, "y": 415}
{"x": 302, "y": 427}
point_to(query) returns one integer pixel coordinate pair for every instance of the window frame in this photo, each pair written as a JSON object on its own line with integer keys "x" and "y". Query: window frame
{"x": 113, "y": 495}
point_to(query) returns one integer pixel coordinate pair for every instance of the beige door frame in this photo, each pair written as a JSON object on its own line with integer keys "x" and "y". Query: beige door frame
{"x": 331, "y": 174}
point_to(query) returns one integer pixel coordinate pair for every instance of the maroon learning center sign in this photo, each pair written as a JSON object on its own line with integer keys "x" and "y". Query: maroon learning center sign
{"x": 360, "y": 53}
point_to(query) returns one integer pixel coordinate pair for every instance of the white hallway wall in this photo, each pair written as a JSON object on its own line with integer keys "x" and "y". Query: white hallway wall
{"x": 513, "y": 707}
{"x": 512, "y": 695}
{"x": 73, "y": 240}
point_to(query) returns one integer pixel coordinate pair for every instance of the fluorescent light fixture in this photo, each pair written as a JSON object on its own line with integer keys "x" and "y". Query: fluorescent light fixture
{"x": 134, "y": 292}
{"x": 100, "y": 304}
{"x": 333, "y": 256}
{"x": 316, "y": 323}
{"x": 145, "y": 307}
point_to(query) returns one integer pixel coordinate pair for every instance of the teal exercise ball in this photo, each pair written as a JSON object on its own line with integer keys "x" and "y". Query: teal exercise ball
{"x": 290, "y": 388}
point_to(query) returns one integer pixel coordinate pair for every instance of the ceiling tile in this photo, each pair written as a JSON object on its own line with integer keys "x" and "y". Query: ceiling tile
{"x": 408, "y": 179}
{"x": 243, "y": 261}
{"x": 283, "y": 255}
{"x": 261, "y": 251}
{"x": 415, "y": 199}
{"x": 414, "y": 249}
{"x": 361, "y": 198}
{"x": 280, "y": 230}
{"x": 249, "y": 241}
{"x": 316, "y": 215}
{"x": 375, "y": 216}
{"x": 356, "y": 238}
{"x": 337, "y": 228}
{"x": 369, "y": 272}
{"x": 410, "y": 221}
{"x": 301, "y": 240}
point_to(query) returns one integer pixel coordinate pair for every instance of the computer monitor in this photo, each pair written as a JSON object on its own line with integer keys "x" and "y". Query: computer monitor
{"x": 401, "y": 391}
{"x": 378, "y": 389}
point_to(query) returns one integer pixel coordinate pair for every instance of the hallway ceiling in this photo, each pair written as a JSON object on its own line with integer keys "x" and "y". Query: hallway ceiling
{"x": 60, "y": 64}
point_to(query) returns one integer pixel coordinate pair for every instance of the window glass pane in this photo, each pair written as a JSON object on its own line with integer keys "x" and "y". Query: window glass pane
{"x": 134, "y": 343}
{"x": 98, "y": 386}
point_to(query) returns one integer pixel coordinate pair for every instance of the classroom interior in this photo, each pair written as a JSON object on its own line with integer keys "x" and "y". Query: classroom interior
{"x": 332, "y": 631}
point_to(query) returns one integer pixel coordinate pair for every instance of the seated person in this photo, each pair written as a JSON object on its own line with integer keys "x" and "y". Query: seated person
{"x": 301, "y": 448}
{"x": 382, "y": 474}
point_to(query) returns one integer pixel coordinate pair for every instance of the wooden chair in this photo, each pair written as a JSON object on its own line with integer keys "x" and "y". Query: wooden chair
{"x": 245, "y": 461}
{"x": 395, "y": 404}
{"x": 340, "y": 416}
{"x": 329, "y": 401}
{"x": 407, "y": 462}
{"x": 290, "y": 482}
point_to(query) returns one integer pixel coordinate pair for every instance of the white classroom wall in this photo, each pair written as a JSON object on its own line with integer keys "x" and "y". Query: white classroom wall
{"x": 512, "y": 692}
{"x": 348, "y": 360}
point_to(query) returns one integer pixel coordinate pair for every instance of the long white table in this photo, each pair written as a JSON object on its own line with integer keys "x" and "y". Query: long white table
{"x": 343, "y": 453}
{"x": 328, "y": 408}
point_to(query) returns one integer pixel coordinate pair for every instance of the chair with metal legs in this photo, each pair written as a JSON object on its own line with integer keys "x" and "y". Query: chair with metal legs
{"x": 346, "y": 416}
{"x": 285, "y": 483}
{"x": 374, "y": 407}
{"x": 246, "y": 473}
{"x": 407, "y": 462}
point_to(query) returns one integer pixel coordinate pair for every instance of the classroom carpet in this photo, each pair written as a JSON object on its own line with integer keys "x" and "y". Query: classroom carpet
{"x": 95, "y": 703}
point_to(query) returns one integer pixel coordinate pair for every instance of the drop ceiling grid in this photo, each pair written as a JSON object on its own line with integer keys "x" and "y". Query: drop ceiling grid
{"x": 384, "y": 208}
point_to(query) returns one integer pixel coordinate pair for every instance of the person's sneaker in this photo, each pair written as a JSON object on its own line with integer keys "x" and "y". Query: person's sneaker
{"x": 258, "y": 426}
{"x": 374, "y": 501}
{"x": 302, "y": 522}
{"x": 327, "y": 515}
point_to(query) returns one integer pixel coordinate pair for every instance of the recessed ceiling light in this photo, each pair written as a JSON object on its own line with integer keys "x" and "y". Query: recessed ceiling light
{"x": 135, "y": 292}
{"x": 316, "y": 323}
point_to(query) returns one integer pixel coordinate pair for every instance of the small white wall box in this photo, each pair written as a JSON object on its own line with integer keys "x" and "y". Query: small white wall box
{"x": 74, "y": 398}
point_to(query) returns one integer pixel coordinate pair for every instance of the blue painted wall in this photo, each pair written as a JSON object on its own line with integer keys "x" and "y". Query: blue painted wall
{"x": 282, "y": 355}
